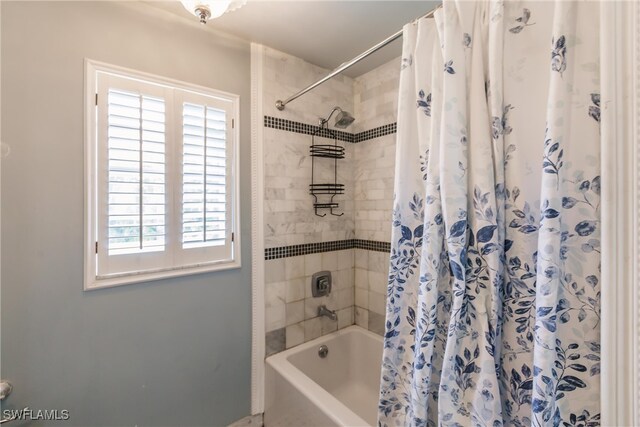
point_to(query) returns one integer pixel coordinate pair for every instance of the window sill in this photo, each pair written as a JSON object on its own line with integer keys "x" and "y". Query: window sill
{"x": 93, "y": 282}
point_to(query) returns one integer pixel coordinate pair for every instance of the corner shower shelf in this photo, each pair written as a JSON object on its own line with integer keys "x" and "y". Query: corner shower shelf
{"x": 331, "y": 189}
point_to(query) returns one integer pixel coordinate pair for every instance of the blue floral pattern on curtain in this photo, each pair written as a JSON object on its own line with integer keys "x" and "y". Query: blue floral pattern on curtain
{"x": 493, "y": 305}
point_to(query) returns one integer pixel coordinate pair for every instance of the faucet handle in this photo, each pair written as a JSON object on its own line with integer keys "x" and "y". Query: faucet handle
{"x": 321, "y": 284}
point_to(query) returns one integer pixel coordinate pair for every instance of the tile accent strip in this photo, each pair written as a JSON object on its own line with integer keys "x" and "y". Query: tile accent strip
{"x": 299, "y": 127}
{"x": 336, "y": 245}
{"x": 375, "y": 132}
{"x": 372, "y": 245}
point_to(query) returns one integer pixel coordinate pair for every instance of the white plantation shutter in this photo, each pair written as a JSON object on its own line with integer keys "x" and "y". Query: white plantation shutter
{"x": 206, "y": 178}
{"x": 133, "y": 214}
{"x": 164, "y": 176}
{"x": 136, "y": 167}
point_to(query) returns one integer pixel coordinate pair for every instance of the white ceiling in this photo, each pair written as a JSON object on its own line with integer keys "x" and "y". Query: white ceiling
{"x": 326, "y": 33}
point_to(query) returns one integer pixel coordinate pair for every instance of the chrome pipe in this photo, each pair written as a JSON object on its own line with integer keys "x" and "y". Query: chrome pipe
{"x": 281, "y": 104}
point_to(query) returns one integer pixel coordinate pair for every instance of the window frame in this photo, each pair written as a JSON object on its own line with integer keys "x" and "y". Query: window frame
{"x": 92, "y": 173}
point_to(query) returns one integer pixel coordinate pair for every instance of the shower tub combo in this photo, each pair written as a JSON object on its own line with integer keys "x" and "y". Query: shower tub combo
{"x": 333, "y": 380}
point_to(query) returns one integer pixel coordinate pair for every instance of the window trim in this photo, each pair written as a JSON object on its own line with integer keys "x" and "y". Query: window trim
{"x": 91, "y": 280}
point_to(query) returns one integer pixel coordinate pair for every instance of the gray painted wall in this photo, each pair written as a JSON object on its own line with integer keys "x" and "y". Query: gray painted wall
{"x": 172, "y": 352}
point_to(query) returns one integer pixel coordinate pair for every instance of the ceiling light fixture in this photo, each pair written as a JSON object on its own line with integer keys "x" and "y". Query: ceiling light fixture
{"x": 210, "y": 9}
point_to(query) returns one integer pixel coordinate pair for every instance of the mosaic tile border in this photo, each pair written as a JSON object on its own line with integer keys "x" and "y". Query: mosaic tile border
{"x": 336, "y": 245}
{"x": 299, "y": 127}
{"x": 375, "y": 132}
{"x": 372, "y": 245}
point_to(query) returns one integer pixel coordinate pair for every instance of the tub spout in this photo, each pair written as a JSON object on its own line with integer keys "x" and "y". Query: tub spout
{"x": 324, "y": 311}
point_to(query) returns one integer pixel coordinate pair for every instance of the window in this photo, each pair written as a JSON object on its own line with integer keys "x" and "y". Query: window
{"x": 162, "y": 178}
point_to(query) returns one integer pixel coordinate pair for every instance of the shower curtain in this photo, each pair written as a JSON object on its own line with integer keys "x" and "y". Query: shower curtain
{"x": 493, "y": 304}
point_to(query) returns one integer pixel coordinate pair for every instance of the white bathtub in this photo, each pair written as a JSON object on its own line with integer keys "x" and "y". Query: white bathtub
{"x": 303, "y": 389}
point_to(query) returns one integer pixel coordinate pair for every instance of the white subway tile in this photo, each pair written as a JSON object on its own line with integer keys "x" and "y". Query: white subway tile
{"x": 294, "y": 267}
{"x": 294, "y": 312}
{"x": 345, "y": 298}
{"x": 345, "y": 317}
{"x": 361, "y": 280}
{"x": 378, "y": 282}
{"x": 295, "y": 290}
{"x": 330, "y": 261}
{"x": 274, "y": 270}
{"x": 327, "y": 325}
{"x": 275, "y": 317}
{"x": 361, "y": 259}
{"x": 362, "y": 297}
{"x": 294, "y": 335}
{"x": 362, "y": 317}
{"x": 345, "y": 259}
{"x": 312, "y": 264}
{"x": 312, "y": 329}
{"x": 377, "y": 302}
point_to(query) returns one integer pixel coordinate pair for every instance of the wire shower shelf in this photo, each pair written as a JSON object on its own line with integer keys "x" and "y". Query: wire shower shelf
{"x": 331, "y": 189}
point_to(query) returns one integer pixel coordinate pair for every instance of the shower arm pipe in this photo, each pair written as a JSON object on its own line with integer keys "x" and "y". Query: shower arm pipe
{"x": 281, "y": 104}
{"x": 322, "y": 122}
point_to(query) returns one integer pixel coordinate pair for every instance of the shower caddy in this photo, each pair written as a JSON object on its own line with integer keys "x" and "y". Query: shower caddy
{"x": 330, "y": 190}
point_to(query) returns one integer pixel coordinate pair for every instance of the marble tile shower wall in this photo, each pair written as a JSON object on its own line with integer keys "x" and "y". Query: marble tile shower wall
{"x": 359, "y": 288}
{"x": 289, "y": 219}
{"x": 375, "y": 104}
{"x": 291, "y": 309}
{"x": 285, "y": 75}
{"x": 375, "y": 96}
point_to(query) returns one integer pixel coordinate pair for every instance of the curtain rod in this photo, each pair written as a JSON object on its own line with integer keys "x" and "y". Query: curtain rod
{"x": 280, "y": 104}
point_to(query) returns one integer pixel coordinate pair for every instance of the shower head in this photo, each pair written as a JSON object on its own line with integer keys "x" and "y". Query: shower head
{"x": 343, "y": 119}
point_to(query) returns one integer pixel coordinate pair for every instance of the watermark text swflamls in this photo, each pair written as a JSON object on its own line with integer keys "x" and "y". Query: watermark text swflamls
{"x": 29, "y": 414}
